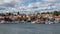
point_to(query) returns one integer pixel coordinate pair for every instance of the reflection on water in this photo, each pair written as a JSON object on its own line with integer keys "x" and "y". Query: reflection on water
{"x": 27, "y": 28}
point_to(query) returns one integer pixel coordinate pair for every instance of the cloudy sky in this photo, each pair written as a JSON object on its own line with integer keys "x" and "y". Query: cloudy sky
{"x": 29, "y": 6}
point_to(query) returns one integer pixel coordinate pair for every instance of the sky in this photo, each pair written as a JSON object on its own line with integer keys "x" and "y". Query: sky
{"x": 29, "y": 6}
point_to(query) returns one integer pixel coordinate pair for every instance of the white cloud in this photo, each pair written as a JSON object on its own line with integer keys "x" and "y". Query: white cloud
{"x": 5, "y": 1}
{"x": 45, "y": 5}
{"x": 49, "y": 0}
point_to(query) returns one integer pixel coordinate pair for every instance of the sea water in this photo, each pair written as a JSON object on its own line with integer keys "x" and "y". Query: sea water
{"x": 27, "y": 28}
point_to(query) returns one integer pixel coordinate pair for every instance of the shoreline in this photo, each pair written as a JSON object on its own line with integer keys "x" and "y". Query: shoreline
{"x": 19, "y": 22}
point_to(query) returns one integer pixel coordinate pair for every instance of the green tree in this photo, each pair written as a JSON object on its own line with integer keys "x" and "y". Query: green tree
{"x": 56, "y": 13}
{"x": 59, "y": 12}
{"x": 38, "y": 13}
{"x": 43, "y": 13}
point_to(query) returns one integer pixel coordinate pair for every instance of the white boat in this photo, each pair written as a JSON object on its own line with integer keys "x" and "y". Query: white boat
{"x": 49, "y": 22}
{"x": 1, "y": 22}
{"x": 37, "y": 22}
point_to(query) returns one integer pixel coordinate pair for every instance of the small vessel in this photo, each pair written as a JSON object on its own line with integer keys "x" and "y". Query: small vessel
{"x": 1, "y": 22}
{"x": 34, "y": 22}
{"x": 49, "y": 22}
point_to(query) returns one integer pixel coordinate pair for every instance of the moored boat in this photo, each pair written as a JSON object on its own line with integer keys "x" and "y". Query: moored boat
{"x": 1, "y": 22}
{"x": 37, "y": 22}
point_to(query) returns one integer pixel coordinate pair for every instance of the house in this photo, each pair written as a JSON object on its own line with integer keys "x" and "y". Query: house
{"x": 22, "y": 16}
{"x": 31, "y": 17}
{"x": 1, "y": 18}
{"x": 47, "y": 15}
{"x": 57, "y": 17}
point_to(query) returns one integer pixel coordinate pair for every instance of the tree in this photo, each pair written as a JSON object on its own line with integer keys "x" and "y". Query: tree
{"x": 43, "y": 13}
{"x": 38, "y": 13}
{"x": 56, "y": 13}
{"x": 59, "y": 12}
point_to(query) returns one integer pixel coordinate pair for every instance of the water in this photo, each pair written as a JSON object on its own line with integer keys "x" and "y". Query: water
{"x": 27, "y": 28}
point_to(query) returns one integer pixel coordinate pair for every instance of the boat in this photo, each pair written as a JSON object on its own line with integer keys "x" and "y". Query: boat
{"x": 1, "y": 22}
{"x": 34, "y": 22}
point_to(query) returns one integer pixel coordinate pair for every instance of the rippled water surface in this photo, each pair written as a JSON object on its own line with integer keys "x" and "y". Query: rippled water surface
{"x": 29, "y": 28}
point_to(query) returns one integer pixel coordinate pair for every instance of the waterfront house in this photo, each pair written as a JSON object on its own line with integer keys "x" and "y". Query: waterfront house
{"x": 47, "y": 15}
{"x": 1, "y": 18}
{"x": 57, "y": 17}
{"x": 32, "y": 17}
{"x": 38, "y": 16}
{"x": 22, "y": 17}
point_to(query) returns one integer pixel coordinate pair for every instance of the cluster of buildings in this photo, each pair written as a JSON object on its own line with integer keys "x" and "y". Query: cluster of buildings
{"x": 33, "y": 18}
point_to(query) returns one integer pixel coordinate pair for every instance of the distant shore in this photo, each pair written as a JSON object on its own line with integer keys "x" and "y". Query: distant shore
{"x": 43, "y": 18}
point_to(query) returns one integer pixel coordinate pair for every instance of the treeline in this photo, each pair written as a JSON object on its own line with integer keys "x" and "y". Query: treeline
{"x": 56, "y": 13}
{"x": 5, "y": 14}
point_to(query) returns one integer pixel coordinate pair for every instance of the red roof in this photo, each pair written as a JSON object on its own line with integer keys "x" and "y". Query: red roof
{"x": 57, "y": 16}
{"x": 46, "y": 14}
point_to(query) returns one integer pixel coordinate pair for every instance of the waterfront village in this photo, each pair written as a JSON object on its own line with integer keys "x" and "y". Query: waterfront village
{"x": 39, "y": 18}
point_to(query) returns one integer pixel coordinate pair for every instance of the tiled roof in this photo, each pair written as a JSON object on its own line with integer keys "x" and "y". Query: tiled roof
{"x": 57, "y": 16}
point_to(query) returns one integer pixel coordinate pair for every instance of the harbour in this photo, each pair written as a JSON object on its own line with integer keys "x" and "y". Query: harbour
{"x": 29, "y": 16}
